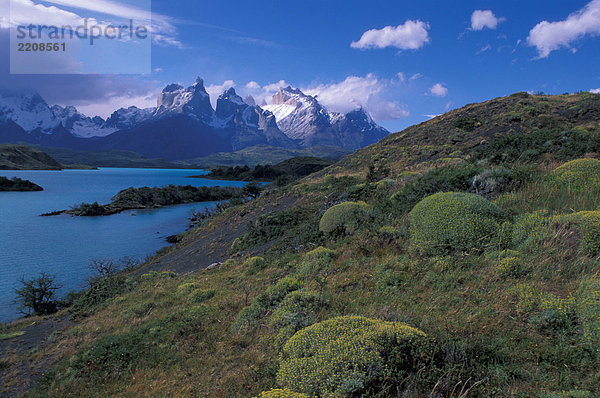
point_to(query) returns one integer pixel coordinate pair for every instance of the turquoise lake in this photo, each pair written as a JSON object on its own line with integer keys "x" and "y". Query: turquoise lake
{"x": 64, "y": 245}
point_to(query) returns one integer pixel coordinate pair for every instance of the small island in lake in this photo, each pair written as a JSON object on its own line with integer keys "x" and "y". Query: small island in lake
{"x": 150, "y": 198}
{"x": 18, "y": 185}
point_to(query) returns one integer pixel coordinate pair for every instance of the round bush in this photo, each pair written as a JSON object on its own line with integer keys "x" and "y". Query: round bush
{"x": 281, "y": 393}
{"x": 344, "y": 218}
{"x": 255, "y": 264}
{"x": 455, "y": 221}
{"x": 589, "y": 226}
{"x": 577, "y": 174}
{"x": 352, "y": 356}
{"x": 298, "y": 310}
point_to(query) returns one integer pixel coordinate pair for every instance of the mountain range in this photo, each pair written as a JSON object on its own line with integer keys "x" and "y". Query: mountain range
{"x": 184, "y": 124}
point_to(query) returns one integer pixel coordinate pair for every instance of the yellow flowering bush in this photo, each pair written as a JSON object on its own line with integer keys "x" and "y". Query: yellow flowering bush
{"x": 526, "y": 298}
{"x": 352, "y": 356}
{"x": 454, "y": 221}
{"x": 281, "y": 393}
{"x": 344, "y": 218}
{"x": 186, "y": 288}
{"x": 510, "y": 267}
{"x": 577, "y": 174}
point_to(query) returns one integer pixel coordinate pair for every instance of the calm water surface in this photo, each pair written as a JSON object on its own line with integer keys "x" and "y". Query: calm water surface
{"x": 65, "y": 245}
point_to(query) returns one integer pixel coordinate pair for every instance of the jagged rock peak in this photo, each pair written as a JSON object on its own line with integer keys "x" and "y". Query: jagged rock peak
{"x": 250, "y": 100}
{"x": 172, "y": 88}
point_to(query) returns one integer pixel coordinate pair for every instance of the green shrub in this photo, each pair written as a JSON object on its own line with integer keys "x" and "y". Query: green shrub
{"x": 201, "y": 295}
{"x": 569, "y": 394}
{"x": 556, "y": 314}
{"x": 352, "y": 356}
{"x": 589, "y": 226}
{"x": 577, "y": 174}
{"x": 248, "y": 316}
{"x": 186, "y": 288}
{"x": 510, "y": 267}
{"x": 101, "y": 290}
{"x": 588, "y": 311}
{"x": 281, "y": 393}
{"x": 254, "y": 264}
{"x": 455, "y": 221}
{"x": 344, "y": 218}
{"x": 298, "y": 310}
{"x": 441, "y": 179}
{"x": 529, "y": 229}
{"x": 317, "y": 265}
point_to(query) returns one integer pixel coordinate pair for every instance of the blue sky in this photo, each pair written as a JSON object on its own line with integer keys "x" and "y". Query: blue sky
{"x": 419, "y": 58}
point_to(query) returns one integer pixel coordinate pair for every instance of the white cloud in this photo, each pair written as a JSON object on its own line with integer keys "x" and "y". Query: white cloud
{"x": 481, "y": 19}
{"x": 433, "y": 116}
{"x": 368, "y": 92}
{"x": 105, "y": 108}
{"x": 438, "y": 90}
{"x": 253, "y": 85}
{"x": 416, "y": 76}
{"x": 550, "y": 36}
{"x": 375, "y": 95}
{"x": 411, "y": 35}
{"x": 595, "y": 91}
{"x": 484, "y": 49}
{"x": 215, "y": 90}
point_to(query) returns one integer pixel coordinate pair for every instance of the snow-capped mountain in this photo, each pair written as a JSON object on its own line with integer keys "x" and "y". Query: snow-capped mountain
{"x": 126, "y": 118}
{"x": 79, "y": 124}
{"x": 28, "y": 110}
{"x": 185, "y": 125}
{"x": 249, "y": 122}
{"x": 192, "y": 101}
{"x": 301, "y": 117}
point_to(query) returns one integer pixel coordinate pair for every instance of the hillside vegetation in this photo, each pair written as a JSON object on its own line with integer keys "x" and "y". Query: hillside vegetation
{"x": 282, "y": 172}
{"x": 21, "y": 157}
{"x": 18, "y": 185}
{"x": 458, "y": 258}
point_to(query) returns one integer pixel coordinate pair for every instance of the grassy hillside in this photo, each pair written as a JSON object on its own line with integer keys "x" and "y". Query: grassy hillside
{"x": 21, "y": 157}
{"x": 457, "y": 258}
{"x": 264, "y": 154}
{"x": 104, "y": 158}
{"x": 518, "y": 128}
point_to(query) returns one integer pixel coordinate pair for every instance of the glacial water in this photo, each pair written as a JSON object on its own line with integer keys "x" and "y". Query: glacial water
{"x": 64, "y": 245}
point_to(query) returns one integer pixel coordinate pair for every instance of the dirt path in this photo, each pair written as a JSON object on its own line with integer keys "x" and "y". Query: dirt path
{"x": 20, "y": 368}
{"x": 209, "y": 245}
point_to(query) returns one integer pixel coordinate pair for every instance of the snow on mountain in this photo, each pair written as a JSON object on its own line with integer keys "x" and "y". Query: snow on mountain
{"x": 79, "y": 124}
{"x": 193, "y": 101}
{"x": 184, "y": 123}
{"x": 126, "y": 118}
{"x": 27, "y": 109}
{"x": 302, "y": 117}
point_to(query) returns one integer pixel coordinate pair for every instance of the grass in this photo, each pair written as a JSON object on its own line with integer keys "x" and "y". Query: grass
{"x": 518, "y": 321}
{"x": 7, "y": 336}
